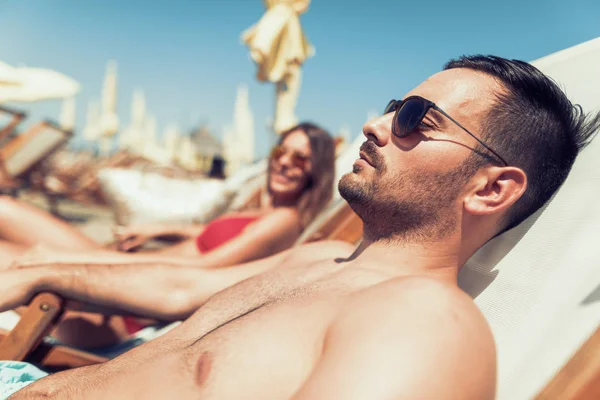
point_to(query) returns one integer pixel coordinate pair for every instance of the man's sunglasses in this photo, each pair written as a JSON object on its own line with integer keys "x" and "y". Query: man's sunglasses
{"x": 411, "y": 111}
{"x": 297, "y": 159}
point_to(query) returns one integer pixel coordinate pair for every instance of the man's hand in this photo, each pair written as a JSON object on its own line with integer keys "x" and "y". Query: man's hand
{"x": 131, "y": 237}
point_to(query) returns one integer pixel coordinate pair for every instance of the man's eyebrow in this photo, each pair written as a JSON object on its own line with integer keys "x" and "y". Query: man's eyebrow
{"x": 437, "y": 117}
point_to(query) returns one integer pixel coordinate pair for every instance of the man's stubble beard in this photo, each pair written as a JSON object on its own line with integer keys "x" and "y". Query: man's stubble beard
{"x": 407, "y": 206}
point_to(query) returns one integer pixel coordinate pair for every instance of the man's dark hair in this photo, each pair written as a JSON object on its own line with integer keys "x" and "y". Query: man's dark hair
{"x": 534, "y": 126}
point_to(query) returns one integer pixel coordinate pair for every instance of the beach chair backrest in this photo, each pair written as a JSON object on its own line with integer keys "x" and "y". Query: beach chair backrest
{"x": 538, "y": 285}
{"x": 337, "y": 221}
{"x": 27, "y": 149}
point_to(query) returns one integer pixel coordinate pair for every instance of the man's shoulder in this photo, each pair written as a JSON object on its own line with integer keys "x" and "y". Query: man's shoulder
{"x": 420, "y": 288}
{"x": 421, "y": 296}
{"x": 420, "y": 309}
{"x": 418, "y": 323}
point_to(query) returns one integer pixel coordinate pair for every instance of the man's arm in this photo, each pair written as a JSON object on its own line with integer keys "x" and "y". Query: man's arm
{"x": 150, "y": 288}
{"x": 413, "y": 338}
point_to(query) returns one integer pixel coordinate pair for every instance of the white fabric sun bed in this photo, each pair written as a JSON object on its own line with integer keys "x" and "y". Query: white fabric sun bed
{"x": 539, "y": 284}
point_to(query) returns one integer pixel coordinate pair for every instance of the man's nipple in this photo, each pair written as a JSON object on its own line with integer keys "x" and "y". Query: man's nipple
{"x": 203, "y": 368}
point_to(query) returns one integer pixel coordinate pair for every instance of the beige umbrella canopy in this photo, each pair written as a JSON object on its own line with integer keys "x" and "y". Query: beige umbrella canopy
{"x": 279, "y": 47}
{"x": 25, "y": 84}
{"x": 132, "y": 137}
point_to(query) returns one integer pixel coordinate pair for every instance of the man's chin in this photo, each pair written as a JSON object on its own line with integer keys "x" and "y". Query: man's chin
{"x": 351, "y": 188}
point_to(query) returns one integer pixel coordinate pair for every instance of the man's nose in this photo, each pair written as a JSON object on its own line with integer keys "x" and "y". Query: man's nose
{"x": 379, "y": 129}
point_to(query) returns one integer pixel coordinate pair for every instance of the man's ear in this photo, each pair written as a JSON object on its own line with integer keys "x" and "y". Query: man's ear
{"x": 495, "y": 189}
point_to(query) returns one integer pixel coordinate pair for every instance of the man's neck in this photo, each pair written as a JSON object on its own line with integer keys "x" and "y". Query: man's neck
{"x": 440, "y": 259}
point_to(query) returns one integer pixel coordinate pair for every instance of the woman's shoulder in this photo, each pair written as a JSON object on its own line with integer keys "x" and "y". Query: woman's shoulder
{"x": 289, "y": 213}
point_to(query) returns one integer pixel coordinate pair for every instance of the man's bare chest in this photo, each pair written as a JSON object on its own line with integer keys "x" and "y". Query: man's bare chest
{"x": 267, "y": 333}
{"x": 294, "y": 287}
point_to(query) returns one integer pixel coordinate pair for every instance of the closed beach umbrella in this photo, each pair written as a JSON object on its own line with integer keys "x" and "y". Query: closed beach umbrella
{"x": 91, "y": 129}
{"x": 67, "y": 114}
{"x": 278, "y": 47}
{"x": 109, "y": 121}
{"x": 171, "y": 136}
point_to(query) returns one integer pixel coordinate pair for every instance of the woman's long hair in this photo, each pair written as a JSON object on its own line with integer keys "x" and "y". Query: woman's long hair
{"x": 319, "y": 189}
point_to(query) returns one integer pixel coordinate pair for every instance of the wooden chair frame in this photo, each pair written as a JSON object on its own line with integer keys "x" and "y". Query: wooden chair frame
{"x": 579, "y": 378}
{"x": 17, "y": 117}
{"x": 25, "y": 340}
{"x": 13, "y": 149}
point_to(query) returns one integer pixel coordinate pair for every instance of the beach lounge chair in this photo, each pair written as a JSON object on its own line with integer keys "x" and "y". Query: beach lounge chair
{"x": 16, "y": 118}
{"x": 25, "y": 151}
{"x": 8, "y": 184}
{"x": 538, "y": 285}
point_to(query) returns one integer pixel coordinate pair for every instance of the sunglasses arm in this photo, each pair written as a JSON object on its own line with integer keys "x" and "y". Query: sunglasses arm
{"x": 466, "y": 130}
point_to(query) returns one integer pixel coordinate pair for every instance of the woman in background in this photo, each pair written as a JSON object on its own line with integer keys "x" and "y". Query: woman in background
{"x": 299, "y": 185}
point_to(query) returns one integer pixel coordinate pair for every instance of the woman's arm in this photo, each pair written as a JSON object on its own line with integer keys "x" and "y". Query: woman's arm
{"x": 275, "y": 232}
{"x": 270, "y": 235}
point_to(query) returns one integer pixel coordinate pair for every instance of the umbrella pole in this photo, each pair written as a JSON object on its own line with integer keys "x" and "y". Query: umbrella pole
{"x": 286, "y": 98}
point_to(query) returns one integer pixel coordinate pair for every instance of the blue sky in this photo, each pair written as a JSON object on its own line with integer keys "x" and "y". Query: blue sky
{"x": 188, "y": 58}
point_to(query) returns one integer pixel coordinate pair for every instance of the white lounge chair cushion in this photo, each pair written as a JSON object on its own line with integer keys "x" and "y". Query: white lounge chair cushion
{"x": 539, "y": 285}
{"x": 141, "y": 197}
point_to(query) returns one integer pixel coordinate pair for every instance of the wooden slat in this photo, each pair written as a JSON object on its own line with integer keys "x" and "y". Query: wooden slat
{"x": 34, "y": 324}
{"x": 579, "y": 379}
{"x": 350, "y": 230}
{"x": 54, "y": 358}
{"x": 343, "y": 225}
{"x": 17, "y": 117}
{"x": 61, "y": 357}
{"x": 16, "y": 143}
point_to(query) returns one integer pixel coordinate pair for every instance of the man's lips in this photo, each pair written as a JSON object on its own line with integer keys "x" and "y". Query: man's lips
{"x": 364, "y": 157}
{"x": 369, "y": 154}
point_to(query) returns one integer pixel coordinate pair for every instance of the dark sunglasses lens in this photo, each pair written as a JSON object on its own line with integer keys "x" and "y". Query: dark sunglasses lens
{"x": 409, "y": 116}
{"x": 390, "y": 107}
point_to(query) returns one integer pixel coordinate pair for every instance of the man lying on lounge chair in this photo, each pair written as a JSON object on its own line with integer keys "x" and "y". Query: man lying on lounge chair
{"x": 468, "y": 154}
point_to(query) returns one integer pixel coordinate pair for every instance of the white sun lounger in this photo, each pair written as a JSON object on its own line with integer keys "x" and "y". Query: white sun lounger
{"x": 538, "y": 285}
